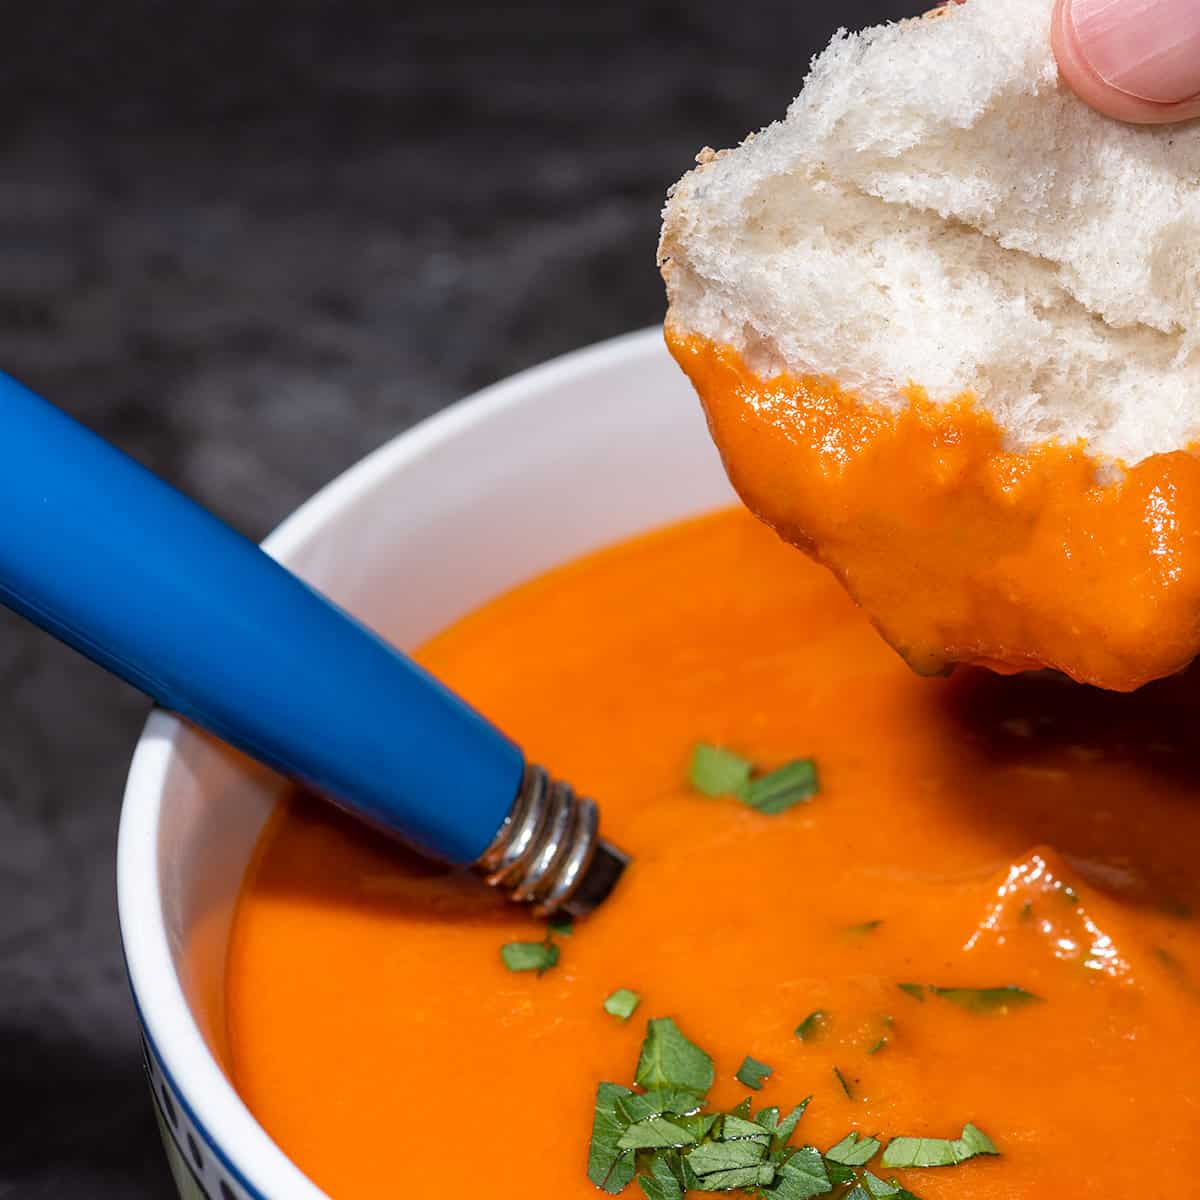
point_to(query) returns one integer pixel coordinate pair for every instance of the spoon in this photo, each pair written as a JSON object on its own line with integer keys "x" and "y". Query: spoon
{"x": 110, "y": 559}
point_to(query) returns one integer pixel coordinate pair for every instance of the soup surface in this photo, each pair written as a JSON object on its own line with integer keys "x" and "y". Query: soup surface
{"x": 972, "y": 832}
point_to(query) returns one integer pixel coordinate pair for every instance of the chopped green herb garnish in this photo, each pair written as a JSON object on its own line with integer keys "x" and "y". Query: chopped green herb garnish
{"x": 668, "y": 1059}
{"x": 878, "y": 1189}
{"x": 782, "y": 1130}
{"x": 865, "y": 926}
{"x": 609, "y": 1167}
{"x": 879, "y": 1045}
{"x": 655, "y": 1133}
{"x": 802, "y": 1176}
{"x": 753, "y": 1073}
{"x": 915, "y": 990}
{"x": 734, "y": 1127}
{"x": 938, "y": 1152}
{"x": 853, "y": 1150}
{"x": 661, "y": 1183}
{"x": 715, "y": 771}
{"x": 718, "y": 772}
{"x": 687, "y": 1150}
{"x": 839, "y": 1175}
{"x": 622, "y": 1003}
{"x": 768, "y": 1118}
{"x": 813, "y": 1026}
{"x": 683, "y": 1172}
{"x": 723, "y": 1165}
{"x": 788, "y": 1125}
{"x": 701, "y": 1124}
{"x": 562, "y": 925}
{"x": 678, "y": 1101}
{"x": 529, "y": 956}
{"x": 636, "y": 1107}
{"x": 661, "y": 1138}
{"x": 781, "y": 789}
{"x": 986, "y": 1001}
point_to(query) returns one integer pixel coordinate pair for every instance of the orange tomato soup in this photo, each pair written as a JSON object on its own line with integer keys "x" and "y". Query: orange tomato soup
{"x": 960, "y": 550}
{"x": 970, "y": 832}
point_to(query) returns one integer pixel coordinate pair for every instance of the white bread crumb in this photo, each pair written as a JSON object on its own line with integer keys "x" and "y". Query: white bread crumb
{"x": 938, "y": 209}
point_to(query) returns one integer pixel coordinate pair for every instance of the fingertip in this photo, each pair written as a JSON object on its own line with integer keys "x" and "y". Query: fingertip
{"x": 1079, "y": 75}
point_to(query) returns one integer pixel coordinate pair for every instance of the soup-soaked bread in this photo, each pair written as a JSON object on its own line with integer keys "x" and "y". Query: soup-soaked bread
{"x": 943, "y": 319}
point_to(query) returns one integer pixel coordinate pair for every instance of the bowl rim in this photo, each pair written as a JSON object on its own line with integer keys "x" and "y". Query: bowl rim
{"x": 220, "y": 1116}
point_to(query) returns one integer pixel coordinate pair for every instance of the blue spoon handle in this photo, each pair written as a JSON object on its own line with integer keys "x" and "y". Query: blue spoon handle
{"x": 110, "y": 559}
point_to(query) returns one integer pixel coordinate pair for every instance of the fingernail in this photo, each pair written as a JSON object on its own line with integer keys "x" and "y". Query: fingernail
{"x": 1145, "y": 48}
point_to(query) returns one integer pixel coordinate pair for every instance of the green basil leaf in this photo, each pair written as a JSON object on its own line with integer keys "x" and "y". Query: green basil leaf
{"x": 753, "y": 1073}
{"x": 839, "y": 1175}
{"x": 733, "y": 1128}
{"x": 609, "y": 1168}
{"x": 655, "y": 1133}
{"x": 529, "y": 956}
{"x": 700, "y": 1124}
{"x": 777, "y": 791}
{"x": 991, "y": 1001}
{"x": 885, "y": 1191}
{"x": 668, "y": 1059}
{"x": 813, "y": 1026}
{"x": 802, "y": 1176}
{"x": 788, "y": 1125}
{"x": 722, "y": 1165}
{"x": 853, "y": 1151}
{"x": 879, "y": 1189}
{"x": 768, "y": 1119}
{"x": 622, "y": 1003}
{"x": 660, "y": 1184}
{"x": 715, "y": 771}
{"x": 938, "y": 1152}
{"x": 678, "y": 1101}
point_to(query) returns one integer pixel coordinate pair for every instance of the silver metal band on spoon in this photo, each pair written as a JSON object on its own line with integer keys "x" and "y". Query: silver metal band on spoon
{"x": 549, "y": 852}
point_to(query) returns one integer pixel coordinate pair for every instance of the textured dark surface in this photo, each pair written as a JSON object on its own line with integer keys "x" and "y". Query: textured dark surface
{"x": 249, "y": 242}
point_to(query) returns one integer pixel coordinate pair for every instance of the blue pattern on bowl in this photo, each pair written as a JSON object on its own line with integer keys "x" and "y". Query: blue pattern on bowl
{"x": 201, "y": 1168}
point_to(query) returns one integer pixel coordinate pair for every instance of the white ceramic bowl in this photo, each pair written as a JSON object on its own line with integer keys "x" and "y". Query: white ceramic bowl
{"x": 557, "y": 461}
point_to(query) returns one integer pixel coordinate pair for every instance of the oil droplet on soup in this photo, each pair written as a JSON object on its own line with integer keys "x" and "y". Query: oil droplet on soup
{"x": 970, "y": 833}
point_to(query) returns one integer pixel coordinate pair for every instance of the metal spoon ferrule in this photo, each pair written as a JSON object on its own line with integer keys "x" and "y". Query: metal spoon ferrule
{"x": 548, "y": 852}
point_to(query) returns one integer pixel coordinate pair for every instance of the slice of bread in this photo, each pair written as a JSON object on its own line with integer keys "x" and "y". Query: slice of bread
{"x": 945, "y": 322}
{"x": 936, "y": 209}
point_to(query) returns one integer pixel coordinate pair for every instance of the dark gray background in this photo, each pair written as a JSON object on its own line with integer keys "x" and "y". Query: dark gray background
{"x": 249, "y": 242}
